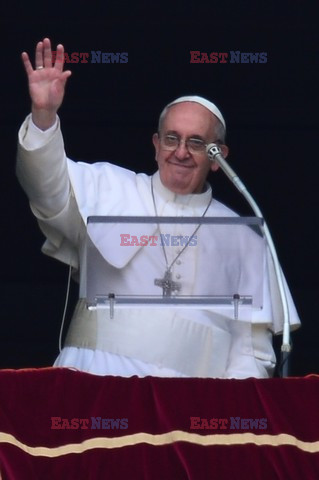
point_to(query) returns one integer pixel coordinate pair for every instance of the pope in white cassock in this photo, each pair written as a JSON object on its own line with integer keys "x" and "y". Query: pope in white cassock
{"x": 63, "y": 194}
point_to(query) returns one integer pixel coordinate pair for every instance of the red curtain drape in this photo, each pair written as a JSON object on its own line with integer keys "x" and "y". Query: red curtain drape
{"x": 61, "y": 424}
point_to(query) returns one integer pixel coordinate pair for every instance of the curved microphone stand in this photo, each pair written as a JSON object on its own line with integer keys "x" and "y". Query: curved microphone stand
{"x": 215, "y": 154}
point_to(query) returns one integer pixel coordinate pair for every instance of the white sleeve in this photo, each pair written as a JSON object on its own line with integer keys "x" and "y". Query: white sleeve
{"x": 34, "y": 138}
{"x": 42, "y": 168}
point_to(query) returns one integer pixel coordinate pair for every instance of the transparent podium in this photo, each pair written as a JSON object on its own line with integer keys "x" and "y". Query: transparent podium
{"x": 213, "y": 263}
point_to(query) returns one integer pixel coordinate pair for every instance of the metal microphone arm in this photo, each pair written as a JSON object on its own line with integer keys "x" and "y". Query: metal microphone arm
{"x": 215, "y": 154}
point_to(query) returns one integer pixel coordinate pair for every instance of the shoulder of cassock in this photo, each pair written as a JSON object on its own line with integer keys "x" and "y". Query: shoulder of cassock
{"x": 103, "y": 188}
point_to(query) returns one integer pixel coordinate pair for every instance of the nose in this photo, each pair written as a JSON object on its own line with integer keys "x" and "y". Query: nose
{"x": 181, "y": 151}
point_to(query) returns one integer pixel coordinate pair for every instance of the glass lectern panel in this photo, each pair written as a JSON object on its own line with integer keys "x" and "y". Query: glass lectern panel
{"x": 169, "y": 261}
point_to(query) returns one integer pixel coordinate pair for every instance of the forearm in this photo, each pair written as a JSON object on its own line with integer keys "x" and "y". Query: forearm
{"x": 42, "y": 168}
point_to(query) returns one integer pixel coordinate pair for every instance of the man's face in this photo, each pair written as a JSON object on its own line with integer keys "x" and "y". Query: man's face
{"x": 180, "y": 171}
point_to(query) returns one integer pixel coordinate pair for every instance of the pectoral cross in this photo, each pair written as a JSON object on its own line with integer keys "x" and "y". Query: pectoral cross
{"x": 167, "y": 284}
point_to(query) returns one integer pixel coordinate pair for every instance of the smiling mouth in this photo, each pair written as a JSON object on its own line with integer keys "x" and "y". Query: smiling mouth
{"x": 183, "y": 165}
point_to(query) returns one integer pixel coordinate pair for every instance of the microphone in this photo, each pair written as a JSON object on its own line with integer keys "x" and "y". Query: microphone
{"x": 214, "y": 153}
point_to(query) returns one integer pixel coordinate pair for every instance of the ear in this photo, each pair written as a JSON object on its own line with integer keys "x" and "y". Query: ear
{"x": 156, "y": 141}
{"x": 225, "y": 151}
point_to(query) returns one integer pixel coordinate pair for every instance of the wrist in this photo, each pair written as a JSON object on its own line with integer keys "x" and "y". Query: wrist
{"x": 43, "y": 119}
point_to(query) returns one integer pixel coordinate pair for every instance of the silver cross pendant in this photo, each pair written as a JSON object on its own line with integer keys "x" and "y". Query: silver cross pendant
{"x": 167, "y": 284}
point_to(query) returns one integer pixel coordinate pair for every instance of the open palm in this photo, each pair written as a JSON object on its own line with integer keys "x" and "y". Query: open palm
{"x": 46, "y": 81}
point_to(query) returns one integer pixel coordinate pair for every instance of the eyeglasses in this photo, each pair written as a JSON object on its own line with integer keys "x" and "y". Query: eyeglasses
{"x": 171, "y": 142}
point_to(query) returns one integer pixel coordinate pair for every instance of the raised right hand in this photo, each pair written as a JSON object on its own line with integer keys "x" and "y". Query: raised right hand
{"x": 46, "y": 83}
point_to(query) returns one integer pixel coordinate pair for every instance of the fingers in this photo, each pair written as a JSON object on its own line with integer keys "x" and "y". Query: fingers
{"x": 39, "y": 55}
{"x": 43, "y": 57}
{"x": 59, "y": 59}
{"x": 47, "y": 55}
{"x": 26, "y": 62}
{"x": 66, "y": 75}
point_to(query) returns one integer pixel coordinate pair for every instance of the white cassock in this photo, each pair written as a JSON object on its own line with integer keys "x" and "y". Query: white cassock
{"x": 158, "y": 342}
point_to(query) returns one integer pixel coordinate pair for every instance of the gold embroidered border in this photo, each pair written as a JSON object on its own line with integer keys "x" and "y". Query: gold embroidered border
{"x": 168, "y": 438}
